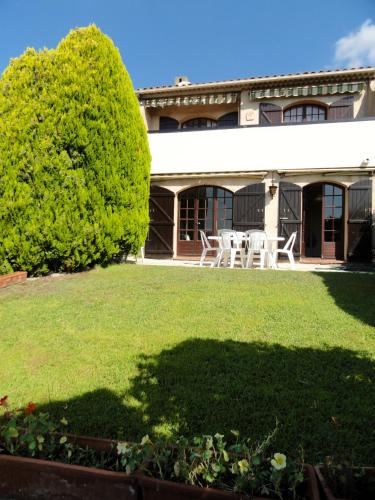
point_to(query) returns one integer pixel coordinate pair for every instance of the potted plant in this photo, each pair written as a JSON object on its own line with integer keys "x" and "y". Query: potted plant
{"x": 345, "y": 482}
{"x": 208, "y": 467}
{"x": 39, "y": 460}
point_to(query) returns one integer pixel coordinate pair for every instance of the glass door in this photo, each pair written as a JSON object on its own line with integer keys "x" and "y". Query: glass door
{"x": 206, "y": 208}
{"x": 333, "y": 214}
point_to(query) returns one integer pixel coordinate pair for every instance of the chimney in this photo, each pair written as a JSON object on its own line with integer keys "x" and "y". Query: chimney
{"x": 181, "y": 81}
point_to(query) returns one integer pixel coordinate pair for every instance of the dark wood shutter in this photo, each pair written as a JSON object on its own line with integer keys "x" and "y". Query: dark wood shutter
{"x": 359, "y": 221}
{"x": 269, "y": 114}
{"x": 160, "y": 234}
{"x": 341, "y": 109}
{"x": 248, "y": 207}
{"x": 228, "y": 120}
{"x": 166, "y": 124}
{"x": 290, "y": 199}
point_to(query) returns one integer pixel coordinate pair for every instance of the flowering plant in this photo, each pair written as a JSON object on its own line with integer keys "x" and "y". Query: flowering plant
{"x": 209, "y": 461}
{"x": 27, "y": 433}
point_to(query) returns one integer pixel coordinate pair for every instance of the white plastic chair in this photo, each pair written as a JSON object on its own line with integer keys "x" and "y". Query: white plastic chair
{"x": 230, "y": 245}
{"x": 287, "y": 250}
{"x": 257, "y": 245}
{"x": 207, "y": 247}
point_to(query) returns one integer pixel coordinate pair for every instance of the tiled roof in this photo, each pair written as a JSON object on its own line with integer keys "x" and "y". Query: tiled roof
{"x": 368, "y": 72}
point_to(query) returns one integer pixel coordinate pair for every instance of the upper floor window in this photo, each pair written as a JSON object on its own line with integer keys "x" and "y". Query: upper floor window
{"x": 228, "y": 120}
{"x": 199, "y": 123}
{"x": 167, "y": 123}
{"x": 305, "y": 113}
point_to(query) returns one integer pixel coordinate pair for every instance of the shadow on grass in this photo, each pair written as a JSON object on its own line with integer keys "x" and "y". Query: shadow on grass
{"x": 353, "y": 292}
{"x": 324, "y": 400}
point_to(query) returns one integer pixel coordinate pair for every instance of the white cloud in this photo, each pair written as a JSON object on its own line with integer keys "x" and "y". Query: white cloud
{"x": 358, "y": 48}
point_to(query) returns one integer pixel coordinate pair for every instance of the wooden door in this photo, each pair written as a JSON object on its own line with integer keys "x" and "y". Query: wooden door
{"x": 248, "y": 207}
{"x": 159, "y": 241}
{"x": 359, "y": 221}
{"x": 332, "y": 222}
{"x": 290, "y": 199}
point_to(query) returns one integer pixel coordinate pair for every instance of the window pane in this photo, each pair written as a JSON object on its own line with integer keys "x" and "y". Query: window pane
{"x": 328, "y": 224}
{"x": 338, "y": 212}
{"x": 328, "y": 189}
{"x": 328, "y": 236}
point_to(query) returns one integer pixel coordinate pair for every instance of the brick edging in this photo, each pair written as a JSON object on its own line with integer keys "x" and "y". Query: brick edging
{"x": 12, "y": 278}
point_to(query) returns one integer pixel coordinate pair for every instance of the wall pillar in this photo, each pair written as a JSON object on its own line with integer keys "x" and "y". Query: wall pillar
{"x": 271, "y": 215}
{"x": 175, "y": 228}
{"x": 373, "y": 216}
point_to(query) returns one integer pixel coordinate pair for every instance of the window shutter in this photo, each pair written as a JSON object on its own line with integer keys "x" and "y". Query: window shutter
{"x": 248, "y": 207}
{"x": 269, "y": 114}
{"x": 341, "y": 109}
{"x": 359, "y": 222}
{"x": 290, "y": 201}
{"x": 228, "y": 120}
{"x": 167, "y": 123}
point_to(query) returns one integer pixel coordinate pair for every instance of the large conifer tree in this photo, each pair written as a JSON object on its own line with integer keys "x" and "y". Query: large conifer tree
{"x": 74, "y": 158}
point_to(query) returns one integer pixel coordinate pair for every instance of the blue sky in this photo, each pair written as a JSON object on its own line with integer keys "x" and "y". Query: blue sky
{"x": 203, "y": 39}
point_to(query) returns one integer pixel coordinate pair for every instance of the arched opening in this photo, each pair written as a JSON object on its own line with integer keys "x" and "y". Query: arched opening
{"x": 323, "y": 221}
{"x": 206, "y": 208}
{"x": 305, "y": 112}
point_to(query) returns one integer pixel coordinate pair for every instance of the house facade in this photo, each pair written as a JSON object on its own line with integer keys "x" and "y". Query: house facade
{"x": 281, "y": 153}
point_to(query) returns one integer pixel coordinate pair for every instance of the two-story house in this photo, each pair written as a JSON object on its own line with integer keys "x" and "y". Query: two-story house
{"x": 282, "y": 153}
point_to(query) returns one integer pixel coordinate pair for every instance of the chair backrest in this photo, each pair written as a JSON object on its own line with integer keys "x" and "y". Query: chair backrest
{"x": 257, "y": 240}
{"x": 204, "y": 240}
{"x": 290, "y": 243}
{"x": 225, "y": 240}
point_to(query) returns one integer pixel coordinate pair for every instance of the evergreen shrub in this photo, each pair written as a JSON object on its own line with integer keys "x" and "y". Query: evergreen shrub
{"x": 74, "y": 158}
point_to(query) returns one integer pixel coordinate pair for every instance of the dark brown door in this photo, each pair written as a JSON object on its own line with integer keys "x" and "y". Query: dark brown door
{"x": 159, "y": 241}
{"x": 248, "y": 207}
{"x": 359, "y": 221}
{"x": 290, "y": 197}
{"x": 206, "y": 208}
{"x": 323, "y": 221}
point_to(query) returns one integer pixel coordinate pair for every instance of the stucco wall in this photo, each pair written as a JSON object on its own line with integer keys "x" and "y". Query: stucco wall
{"x": 318, "y": 145}
{"x": 271, "y": 215}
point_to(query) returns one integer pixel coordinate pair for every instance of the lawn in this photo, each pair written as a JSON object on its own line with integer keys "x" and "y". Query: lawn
{"x": 130, "y": 350}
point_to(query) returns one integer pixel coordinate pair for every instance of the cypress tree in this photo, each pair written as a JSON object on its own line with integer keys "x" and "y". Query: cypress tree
{"x": 74, "y": 158}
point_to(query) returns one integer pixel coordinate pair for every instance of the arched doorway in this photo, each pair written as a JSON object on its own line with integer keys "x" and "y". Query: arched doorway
{"x": 323, "y": 221}
{"x": 206, "y": 208}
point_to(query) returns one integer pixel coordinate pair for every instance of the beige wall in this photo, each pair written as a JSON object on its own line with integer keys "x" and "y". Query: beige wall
{"x": 249, "y": 110}
{"x": 271, "y": 216}
{"x": 364, "y": 105}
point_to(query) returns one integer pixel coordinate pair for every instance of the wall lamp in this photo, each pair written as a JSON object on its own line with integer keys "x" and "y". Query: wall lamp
{"x": 272, "y": 188}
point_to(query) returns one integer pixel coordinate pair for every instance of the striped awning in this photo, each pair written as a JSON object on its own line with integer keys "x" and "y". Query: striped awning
{"x": 191, "y": 100}
{"x": 307, "y": 90}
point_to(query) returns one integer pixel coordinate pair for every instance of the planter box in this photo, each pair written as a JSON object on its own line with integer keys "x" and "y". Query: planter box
{"x": 326, "y": 491}
{"x": 12, "y": 279}
{"x": 34, "y": 479}
{"x": 156, "y": 489}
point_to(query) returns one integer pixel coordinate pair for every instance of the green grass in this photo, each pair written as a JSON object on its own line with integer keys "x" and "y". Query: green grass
{"x": 130, "y": 350}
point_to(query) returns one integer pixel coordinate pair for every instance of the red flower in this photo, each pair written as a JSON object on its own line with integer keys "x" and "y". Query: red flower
{"x": 30, "y": 408}
{"x": 3, "y": 401}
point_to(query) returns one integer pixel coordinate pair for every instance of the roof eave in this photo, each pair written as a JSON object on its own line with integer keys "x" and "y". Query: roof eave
{"x": 258, "y": 82}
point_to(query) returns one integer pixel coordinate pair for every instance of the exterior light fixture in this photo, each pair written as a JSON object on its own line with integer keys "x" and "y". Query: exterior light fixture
{"x": 272, "y": 188}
